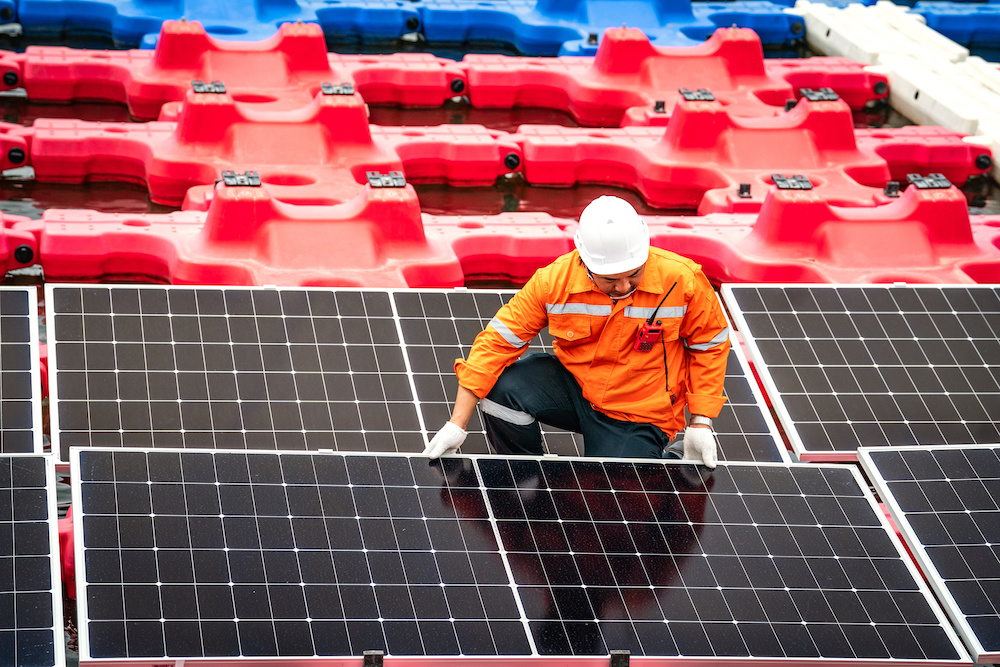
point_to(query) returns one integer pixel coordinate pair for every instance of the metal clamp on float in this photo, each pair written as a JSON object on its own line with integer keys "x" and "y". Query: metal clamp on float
{"x": 796, "y": 182}
{"x": 394, "y": 179}
{"x": 819, "y": 94}
{"x": 247, "y": 179}
{"x": 344, "y": 88}
{"x": 700, "y": 95}
{"x": 929, "y": 182}
{"x": 214, "y": 88}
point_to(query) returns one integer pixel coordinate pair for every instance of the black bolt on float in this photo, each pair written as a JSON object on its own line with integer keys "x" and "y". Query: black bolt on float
{"x": 6, "y": 13}
{"x": 512, "y": 161}
{"x": 412, "y": 23}
{"x": 23, "y": 254}
{"x": 457, "y": 85}
{"x": 15, "y": 155}
{"x": 790, "y": 104}
{"x": 891, "y": 189}
{"x": 10, "y": 79}
{"x": 592, "y": 39}
{"x": 659, "y": 106}
{"x": 983, "y": 161}
{"x": 797, "y": 28}
{"x": 880, "y": 87}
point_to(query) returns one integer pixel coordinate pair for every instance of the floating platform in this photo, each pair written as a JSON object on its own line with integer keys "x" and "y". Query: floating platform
{"x": 922, "y": 234}
{"x": 284, "y": 71}
{"x": 575, "y": 27}
{"x": 629, "y": 81}
{"x": 129, "y": 24}
{"x": 633, "y": 82}
{"x": 712, "y": 161}
{"x": 316, "y": 155}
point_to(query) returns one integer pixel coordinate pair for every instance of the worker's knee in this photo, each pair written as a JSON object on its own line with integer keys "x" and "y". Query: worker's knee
{"x": 535, "y": 373}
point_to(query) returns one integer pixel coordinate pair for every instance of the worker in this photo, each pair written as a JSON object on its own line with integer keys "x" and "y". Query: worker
{"x": 638, "y": 335}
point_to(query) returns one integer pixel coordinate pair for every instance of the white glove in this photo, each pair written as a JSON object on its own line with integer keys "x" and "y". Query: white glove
{"x": 700, "y": 445}
{"x": 446, "y": 441}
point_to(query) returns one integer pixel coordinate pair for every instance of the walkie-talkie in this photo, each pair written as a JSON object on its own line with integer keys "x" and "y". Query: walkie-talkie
{"x": 649, "y": 333}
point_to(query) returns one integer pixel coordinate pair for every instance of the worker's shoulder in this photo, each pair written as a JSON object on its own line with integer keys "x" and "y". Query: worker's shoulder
{"x": 671, "y": 262}
{"x": 563, "y": 266}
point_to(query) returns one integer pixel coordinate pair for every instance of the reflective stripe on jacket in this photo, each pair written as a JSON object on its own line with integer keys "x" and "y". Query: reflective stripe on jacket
{"x": 593, "y": 337}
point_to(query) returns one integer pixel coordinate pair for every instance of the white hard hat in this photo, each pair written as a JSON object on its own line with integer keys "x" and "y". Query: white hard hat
{"x": 612, "y": 238}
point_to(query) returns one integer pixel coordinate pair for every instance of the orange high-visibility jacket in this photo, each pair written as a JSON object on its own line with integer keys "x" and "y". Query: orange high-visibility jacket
{"x": 594, "y": 338}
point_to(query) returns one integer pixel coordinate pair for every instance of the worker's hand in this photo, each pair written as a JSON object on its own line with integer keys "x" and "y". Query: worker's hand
{"x": 700, "y": 445}
{"x": 446, "y": 441}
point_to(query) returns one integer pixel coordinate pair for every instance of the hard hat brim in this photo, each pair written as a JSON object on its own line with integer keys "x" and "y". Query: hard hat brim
{"x": 613, "y": 268}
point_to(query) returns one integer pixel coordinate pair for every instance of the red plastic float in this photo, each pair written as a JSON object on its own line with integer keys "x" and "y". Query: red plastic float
{"x": 315, "y": 155}
{"x": 632, "y": 82}
{"x": 283, "y": 72}
{"x": 923, "y": 236}
{"x": 249, "y": 238}
{"x": 700, "y": 160}
{"x": 380, "y": 239}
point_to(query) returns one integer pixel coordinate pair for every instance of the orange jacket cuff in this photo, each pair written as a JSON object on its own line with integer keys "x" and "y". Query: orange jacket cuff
{"x": 476, "y": 380}
{"x": 705, "y": 404}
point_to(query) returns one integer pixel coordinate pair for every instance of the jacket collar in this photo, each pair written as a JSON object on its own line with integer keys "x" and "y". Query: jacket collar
{"x": 580, "y": 282}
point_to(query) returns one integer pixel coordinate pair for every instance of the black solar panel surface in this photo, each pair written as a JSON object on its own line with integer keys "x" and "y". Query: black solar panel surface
{"x": 947, "y": 504}
{"x": 31, "y": 630}
{"x": 293, "y": 369}
{"x": 226, "y": 554}
{"x": 229, "y": 368}
{"x": 20, "y": 397}
{"x": 847, "y": 366}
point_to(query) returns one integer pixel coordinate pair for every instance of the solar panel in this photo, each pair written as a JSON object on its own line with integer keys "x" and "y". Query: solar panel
{"x": 439, "y": 326}
{"x": 292, "y": 369}
{"x": 876, "y": 365}
{"x": 31, "y": 628}
{"x": 20, "y": 401}
{"x": 945, "y": 502}
{"x": 287, "y": 555}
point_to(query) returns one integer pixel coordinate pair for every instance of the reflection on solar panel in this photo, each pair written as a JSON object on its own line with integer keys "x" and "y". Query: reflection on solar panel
{"x": 31, "y": 628}
{"x": 847, "y": 366}
{"x": 290, "y": 554}
{"x": 21, "y": 408}
{"x": 440, "y": 326}
{"x": 945, "y": 502}
{"x": 292, "y": 369}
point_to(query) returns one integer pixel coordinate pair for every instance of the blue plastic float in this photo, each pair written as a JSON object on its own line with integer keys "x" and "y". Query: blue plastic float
{"x": 575, "y": 27}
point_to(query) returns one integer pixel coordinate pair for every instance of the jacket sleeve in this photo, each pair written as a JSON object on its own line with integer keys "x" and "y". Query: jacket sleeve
{"x": 505, "y": 338}
{"x": 706, "y": 340}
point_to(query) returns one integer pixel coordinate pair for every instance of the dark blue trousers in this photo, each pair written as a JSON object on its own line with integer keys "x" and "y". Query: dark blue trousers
{"x": 537, "y": 388}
